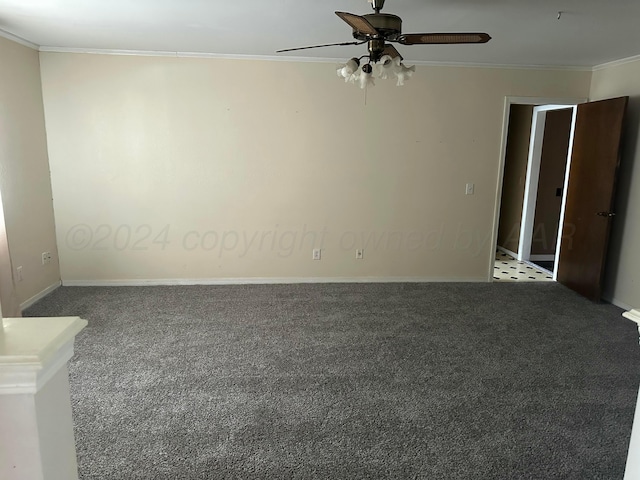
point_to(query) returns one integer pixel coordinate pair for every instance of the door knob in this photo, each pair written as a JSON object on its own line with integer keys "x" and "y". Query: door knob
{"x": 605, "y": 214}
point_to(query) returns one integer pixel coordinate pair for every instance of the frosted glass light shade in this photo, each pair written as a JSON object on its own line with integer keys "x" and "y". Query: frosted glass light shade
{"x": 366, "y": 74}
{"x": 366, "y": 80}
{"x": 349, "y": 69}
{"x": 403, "y": 73}
{"x": 384, "y": 67}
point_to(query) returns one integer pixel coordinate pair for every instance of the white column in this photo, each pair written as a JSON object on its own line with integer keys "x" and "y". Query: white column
{"x": 632, "y": 470}
{"x": 36, "y": 428}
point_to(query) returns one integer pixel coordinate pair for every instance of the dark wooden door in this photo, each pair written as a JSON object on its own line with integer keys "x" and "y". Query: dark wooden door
{"x": 590, "y": 192}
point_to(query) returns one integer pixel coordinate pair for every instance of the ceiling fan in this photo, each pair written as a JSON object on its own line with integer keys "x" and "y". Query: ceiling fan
{"x": 378, "y": 30}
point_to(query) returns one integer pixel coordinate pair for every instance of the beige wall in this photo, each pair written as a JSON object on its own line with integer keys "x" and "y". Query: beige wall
{"x": 515, "y": 173}
{"x": 24, "y": 170}
{"x": 9, "y": 303}
{"x": 186, "y": 168}
{"x": 623, "y": 263}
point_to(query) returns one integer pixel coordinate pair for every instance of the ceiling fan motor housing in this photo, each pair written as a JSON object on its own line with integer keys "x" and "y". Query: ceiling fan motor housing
{"x": 388, "y": 25}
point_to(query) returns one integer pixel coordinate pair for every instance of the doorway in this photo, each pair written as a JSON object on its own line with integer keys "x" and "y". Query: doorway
{"x": 545, "y": 184}
{"x": 536, "y": 149}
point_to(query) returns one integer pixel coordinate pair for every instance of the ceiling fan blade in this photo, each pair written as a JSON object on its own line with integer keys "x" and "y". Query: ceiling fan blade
{"x": 392, "y": 52}
{"x": 319, "y": 46}
{"x": 358, "y": 23}
{"x": 442, "y": 38}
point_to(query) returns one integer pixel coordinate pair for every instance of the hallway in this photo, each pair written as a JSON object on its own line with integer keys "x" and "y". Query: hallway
{"x": 508, "y": 269}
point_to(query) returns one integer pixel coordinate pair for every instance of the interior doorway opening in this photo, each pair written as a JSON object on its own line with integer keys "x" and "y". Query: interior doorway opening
{"x": 546, "y": 184}
{"x": 535, "y": 161}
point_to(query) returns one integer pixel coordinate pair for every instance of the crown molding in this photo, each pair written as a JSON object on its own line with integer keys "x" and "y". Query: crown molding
{"x": 17, "y": 39}
{"x": 288, "y": 58}
{"x": 160, "y": 53}
{"x": 617, "y": 63}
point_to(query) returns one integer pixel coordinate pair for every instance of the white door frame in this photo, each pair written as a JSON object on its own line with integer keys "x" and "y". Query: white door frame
{"x": 533, "y": 176}
{"x": 508, "y": 101}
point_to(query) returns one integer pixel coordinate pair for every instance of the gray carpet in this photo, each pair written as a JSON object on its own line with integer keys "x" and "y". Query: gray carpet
{"x": 429, "y": 381}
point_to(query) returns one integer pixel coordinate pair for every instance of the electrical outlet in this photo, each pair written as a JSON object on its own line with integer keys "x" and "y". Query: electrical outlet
{"x": 46, "y": 258}
{"x": 316, "y": 254}
{"x": 470, "y": 189}
{"x": 19, "y": 273}
{"x": 359, "y": 254}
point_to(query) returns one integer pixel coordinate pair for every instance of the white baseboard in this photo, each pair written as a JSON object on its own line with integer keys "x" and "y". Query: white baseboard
{"x": 39, "y": 296}
{"x": 258, "y": 281}
{"x": 542, "y": 258}
{"x": 616, "y": 302}
{"x": 507, "y": 251}
{"x": 538, "y": 267}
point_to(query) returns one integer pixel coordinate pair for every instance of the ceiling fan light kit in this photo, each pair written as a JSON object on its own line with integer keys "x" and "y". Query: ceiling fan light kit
{"x": 384, "y": 68}
{"x": 378, "y": 31}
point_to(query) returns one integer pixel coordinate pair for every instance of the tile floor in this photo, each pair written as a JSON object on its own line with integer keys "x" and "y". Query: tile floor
{"x": 508, "y": 269}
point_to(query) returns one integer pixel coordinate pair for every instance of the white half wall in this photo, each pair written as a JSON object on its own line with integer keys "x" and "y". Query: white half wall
{"x": 188, "y": 168}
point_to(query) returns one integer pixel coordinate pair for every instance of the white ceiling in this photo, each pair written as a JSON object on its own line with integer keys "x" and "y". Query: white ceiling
{"x": 525, "y": 32}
